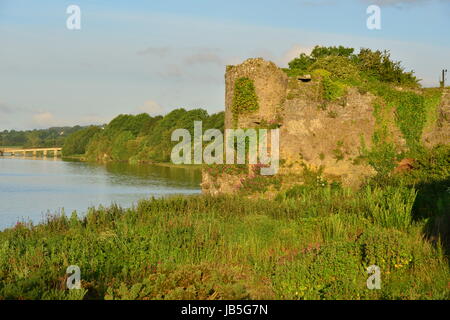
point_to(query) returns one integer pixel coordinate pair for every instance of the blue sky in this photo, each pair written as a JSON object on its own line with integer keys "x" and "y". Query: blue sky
{"x": 154, "y": 56}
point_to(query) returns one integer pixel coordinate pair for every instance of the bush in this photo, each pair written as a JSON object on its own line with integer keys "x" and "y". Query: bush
{"x": 342, "y": 63}
{"x": 379, "y": 65}
{"x": 339, "y": 67}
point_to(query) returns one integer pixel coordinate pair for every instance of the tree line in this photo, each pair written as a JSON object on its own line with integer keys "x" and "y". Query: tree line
{"x": 51, "y": 137}
{"x": 137, "y": 138}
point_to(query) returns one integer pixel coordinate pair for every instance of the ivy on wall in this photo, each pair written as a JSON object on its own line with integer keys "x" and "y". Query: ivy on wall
{"x": 413, "y": 111}
{"x": 245, "y": 99}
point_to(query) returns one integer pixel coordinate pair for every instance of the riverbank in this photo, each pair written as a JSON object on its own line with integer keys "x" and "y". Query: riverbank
{"x": 82, "y": 158}
{"x": 200, "y": 247}
{"x": 30, "y": 188}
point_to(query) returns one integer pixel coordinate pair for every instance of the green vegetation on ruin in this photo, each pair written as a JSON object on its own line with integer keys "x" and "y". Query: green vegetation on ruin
{"x": 245, "y": 99}
{"x": 401, "y": 102}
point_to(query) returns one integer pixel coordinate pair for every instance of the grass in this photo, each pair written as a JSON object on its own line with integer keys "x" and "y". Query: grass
{"x": 309, "y": 243}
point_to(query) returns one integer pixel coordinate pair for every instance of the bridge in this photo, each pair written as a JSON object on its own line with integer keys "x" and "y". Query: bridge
{"x": 34, "y": 151}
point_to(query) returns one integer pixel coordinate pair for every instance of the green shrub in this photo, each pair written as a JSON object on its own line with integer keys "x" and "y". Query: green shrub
{"x": 379, "y": 65}
{"x": 342, "y": 63}
{"x": 388, "y": 250}
{"x": 338, "y": 66}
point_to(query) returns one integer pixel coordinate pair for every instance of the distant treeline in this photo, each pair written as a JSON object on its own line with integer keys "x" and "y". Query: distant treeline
{"x": 52, "y": 137}
{"x": 137, "y": 138}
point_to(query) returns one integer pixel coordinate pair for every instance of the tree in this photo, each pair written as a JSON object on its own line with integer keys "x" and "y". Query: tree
{"x": 76, "y": 143}
{"x": 379, "y": 65}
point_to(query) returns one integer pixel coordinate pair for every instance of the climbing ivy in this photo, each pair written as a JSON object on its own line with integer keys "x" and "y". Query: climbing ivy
{"x": 332, "y": 89}
{"x": 245, "y": 99}
{"x": 410, "y": 116}
{"x": 413, "y": 111}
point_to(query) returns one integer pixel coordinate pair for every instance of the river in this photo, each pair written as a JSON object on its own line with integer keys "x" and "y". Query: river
{"x": 31, "y": 188}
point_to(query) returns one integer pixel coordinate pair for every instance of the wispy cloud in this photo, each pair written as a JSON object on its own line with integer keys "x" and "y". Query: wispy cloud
{"x": 171, "y": 71}
{"x": 204, "y": 58}
{"x": 317, "y": 2}
{"x": 5, "y": 109}
{"x": 92, "y": 118}
{"x": 151, "y": 107}
{"x": 45, "y": 119}
{"x": 161, "y": 52}
{"x": 293, "y": 53}
{"x": 395, "y": 2}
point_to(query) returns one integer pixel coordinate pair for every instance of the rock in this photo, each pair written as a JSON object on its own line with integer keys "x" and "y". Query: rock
{"x": 405, "y": 165}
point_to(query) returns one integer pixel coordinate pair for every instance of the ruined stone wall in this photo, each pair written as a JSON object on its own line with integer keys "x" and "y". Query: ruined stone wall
{"x": 270, "y": 84}
{"x": 309, "y": 133}
{"x": 330, "y": 137}
{"x": 321, "y": 134}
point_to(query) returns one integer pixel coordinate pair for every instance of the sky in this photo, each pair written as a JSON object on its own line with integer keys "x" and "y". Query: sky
{"x": 154, "y": 56}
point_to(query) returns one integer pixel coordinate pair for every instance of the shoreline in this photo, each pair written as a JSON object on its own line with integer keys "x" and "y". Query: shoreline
{"x": 81, "y": 158}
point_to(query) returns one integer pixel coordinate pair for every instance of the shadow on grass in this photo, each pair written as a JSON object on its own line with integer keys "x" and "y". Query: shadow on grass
{"x": 433, "y": 204}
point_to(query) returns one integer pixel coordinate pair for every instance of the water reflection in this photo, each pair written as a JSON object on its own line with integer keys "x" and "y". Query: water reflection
{"x": 29, "y": 188}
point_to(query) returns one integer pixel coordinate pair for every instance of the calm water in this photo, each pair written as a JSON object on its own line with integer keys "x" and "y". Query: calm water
{"x": 32, "y": 188}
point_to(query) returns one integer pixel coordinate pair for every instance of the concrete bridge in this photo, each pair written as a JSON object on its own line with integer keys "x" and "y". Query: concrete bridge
{"x": 34, "y": 151}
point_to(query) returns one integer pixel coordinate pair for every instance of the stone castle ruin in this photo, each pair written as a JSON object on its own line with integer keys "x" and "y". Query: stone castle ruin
{"x": 319, "y": 134}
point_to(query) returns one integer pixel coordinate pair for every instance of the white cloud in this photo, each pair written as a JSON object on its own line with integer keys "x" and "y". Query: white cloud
{"x": 293, "y": 53}
{"x": 151, "y": 107}
{"x": 44, "y": 119}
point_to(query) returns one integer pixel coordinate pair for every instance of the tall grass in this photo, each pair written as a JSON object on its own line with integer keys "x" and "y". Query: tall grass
{"x": 308, "y": 244}
{"x": 390, "y": 207}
